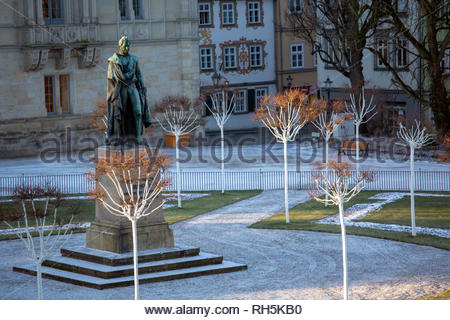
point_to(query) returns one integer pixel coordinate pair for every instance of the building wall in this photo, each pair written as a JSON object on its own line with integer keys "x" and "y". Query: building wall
{"x": 393, "y": 104}
{"x": 241, "y": 35}
{"x": 305, "y": 76}
{"x": 165, "y": 41}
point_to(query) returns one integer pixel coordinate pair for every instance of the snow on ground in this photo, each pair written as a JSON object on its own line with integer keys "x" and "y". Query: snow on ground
{"x": 247, "y": 157}
{"x": 282, "y": 264}
{"x": 360, "y": 210}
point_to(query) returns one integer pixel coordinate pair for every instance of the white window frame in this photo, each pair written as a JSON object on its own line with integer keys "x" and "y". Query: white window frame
{"x": 228, "y": 13}
{"x": 259, "y": 94}
{"x": 254, "y": 12}
{"x": 230, "y": 57}
{"x": 401, "y": 53}
{"x": 206, "y": 59}
{"x": 382, "y": 44}
{"x": 297, "y": 56}
{"x": 295, "y": 6}
{"x": 208, "y": 12}
{"x": 256, "y": 56}
{"x": 241, "y": 102}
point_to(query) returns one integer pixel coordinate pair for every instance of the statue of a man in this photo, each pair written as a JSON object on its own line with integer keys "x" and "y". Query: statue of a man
{"x": 128, "y": 110}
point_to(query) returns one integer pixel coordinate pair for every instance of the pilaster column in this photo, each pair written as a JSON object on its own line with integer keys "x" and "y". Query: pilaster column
{"x": 39, "y": 12}
{"x": 30, "y": 13}
{"x": 94, "y": 17}
{"x": 85, "y": 11}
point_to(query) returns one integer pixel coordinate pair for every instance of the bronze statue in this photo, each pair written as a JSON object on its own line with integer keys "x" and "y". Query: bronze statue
{"x": 128, "y": 110}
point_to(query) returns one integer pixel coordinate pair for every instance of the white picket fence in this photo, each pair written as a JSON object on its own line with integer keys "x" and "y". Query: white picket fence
{"x": 241, "y": 180}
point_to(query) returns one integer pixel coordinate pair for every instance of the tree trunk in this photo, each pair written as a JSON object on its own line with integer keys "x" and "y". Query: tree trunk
{"x": 411, "y": 188}
{"x": 286, "y": 201}
{"x": 222, "y": 159}
{"x": 177, "y": 160}
{"x": 326, "y": 168}
{"x": 39, "y": 280}
{"x": 135, "y": 260}
{"x": 357, "y": 150}
{"x": 439, "y": 103}
{"x": 344, "y": 249}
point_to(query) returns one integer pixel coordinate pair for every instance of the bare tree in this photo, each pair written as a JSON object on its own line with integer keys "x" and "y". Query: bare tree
{"x": 338, "y": 32}
{"x": 34, "y": 208}
{"x": 221, "y": 108}
{"x": 416, "y": 138}
{"x": 361, "y": 112}
{"x": 99, "y": 118}
{"x": 178, "y": 115}
{"x": 284, "y": 115}
{"x": 327, "y": 124}
{"x": 340, "y": 186}
{"x": 128, "y": 186}
{"x": 424, "y": 39}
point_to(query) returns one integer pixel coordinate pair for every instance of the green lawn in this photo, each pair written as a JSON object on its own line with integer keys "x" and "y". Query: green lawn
{"x": 432, "y": 212}
{"x": 435, "y": 213}
{"x": 189, "y": 208}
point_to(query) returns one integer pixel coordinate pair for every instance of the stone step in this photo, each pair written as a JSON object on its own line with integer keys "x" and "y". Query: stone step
{"x": 118, "y": 259}
{"x": 100, "y": 284}
{"x": 108, "y": 272}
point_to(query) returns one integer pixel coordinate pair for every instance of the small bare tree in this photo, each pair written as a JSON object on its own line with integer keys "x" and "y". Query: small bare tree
{"x": 99, "y": 118}
{"x": 221, "y": 108}
{"x": 178, "y": 115}
{"x": 284, "y": 115}
{"x": 362, "y": 112}
{"x": 34, "y": 207}
{"x": 340, "y": 186}
{"x": 327, "y": 123}
{"x": 127, "y": 186}
{"x": 416, "y": 138}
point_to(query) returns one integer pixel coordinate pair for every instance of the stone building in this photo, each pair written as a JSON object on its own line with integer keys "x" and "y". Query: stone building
{"x": 296, "y": 66}
{"x": 54, "y": 63}
{"x": 237, "y": 43}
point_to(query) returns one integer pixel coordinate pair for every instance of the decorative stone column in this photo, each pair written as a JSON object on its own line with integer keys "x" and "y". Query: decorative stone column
{"x": 111, "y": 233}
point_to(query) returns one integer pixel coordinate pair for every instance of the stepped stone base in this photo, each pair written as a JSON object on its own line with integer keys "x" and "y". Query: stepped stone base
{"x": 100, "y": 269}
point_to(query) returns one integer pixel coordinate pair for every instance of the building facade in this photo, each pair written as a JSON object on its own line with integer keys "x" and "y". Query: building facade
{"x": 296, "y": 66}
{"x": 54, "y": 62}
{"x": 393, "y": 104}
{"x": 237, "y": 43}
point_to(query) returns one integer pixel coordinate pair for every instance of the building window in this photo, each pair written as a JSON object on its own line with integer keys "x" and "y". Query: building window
{"x": 64, "y": 93}
{"x": 256, "y": 56}
{"x": 401, "y": 53}
{"x": 204, "y": 11}
{"x": 206, "y": 58}
{"x": 52, "y": 11}
{"x": 49, "y": 94}
{"x": 315, "y": 54}
{"x": 227, "y": 13}
{"x": 383, "y": 49}
{"x": 124, "y": 12}
{"x": 254, "y": 12}
{"x": 241, "y": 101}
{"x": 445, "y": 62}
{"x": 297, "y": 55}
{"x": 260, "y": 93}
{"x": 229, "y": 55}
{"x": 295, "y": 6}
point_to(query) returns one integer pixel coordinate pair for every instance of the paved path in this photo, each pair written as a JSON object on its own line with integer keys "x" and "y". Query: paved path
{"x": 281, "y": 264}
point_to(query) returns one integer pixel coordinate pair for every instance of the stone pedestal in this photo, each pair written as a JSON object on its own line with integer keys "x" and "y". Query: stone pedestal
{"x": 111, "y": 233}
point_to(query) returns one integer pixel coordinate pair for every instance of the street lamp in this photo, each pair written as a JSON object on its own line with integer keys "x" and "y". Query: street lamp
{"x": 328, "y": 83}
{"x": 289, "y": 80}
{"x": 215, "y": 79}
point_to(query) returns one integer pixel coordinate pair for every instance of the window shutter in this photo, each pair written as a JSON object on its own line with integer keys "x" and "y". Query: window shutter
{"x": 251, "y": 103}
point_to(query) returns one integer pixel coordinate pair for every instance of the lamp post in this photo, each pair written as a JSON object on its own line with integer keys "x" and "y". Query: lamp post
{"x": 289, "y": 80}
{"x": 328, "y": 83}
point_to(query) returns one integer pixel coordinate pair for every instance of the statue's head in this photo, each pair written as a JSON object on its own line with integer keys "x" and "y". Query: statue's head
{"x": 124, "y": 45}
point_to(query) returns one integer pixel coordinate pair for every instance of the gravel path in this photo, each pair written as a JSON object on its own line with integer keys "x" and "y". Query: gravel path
{"x": 281, "y": 264}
